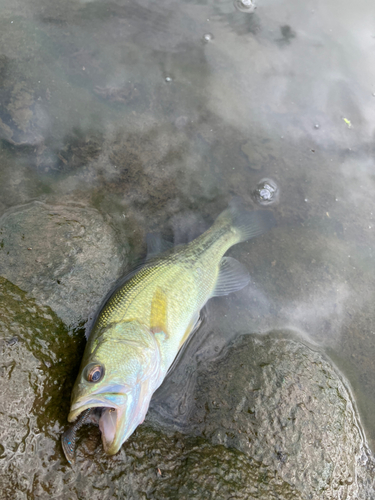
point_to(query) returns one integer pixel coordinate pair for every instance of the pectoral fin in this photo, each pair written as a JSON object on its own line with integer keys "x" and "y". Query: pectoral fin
{"x": 193, "y": 326}
{"x": 158, "y": 317}
{"x": 233, "y": 276}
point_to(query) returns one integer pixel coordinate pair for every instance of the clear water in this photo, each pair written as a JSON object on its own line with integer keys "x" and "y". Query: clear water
{"x": 158, "y": 113}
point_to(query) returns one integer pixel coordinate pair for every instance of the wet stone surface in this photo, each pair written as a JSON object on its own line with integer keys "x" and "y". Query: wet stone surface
{"x": 38, "y": 360}
{"x": 64, "y": 256}
{"x": 284, "y": 405}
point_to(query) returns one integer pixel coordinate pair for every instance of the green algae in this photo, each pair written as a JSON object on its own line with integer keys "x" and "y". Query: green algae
{"x": 55, "y": 349}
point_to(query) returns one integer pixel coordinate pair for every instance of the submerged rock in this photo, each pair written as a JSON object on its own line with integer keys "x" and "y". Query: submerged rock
{"x": 23, "y": 120}
{"x": 64, "y": 256}
{"x": 285, "y": 406}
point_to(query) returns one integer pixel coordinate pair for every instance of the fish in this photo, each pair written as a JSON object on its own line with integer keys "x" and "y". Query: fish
{"x": 146, "y": 320}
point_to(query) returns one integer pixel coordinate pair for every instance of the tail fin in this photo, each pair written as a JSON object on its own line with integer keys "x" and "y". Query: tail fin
{"x": 245, "y": 223}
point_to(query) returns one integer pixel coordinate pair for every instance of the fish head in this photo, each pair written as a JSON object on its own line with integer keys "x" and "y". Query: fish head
{"x": 119, "y": 373}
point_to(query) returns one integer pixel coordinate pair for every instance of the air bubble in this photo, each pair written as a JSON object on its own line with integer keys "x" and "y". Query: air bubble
{"x": 208, "y": 37}
{"x": 168, "y": 79}
{"x": 316, "y": 125}
{"x": 244, "y": 6}
{"x": 266, "y": 192}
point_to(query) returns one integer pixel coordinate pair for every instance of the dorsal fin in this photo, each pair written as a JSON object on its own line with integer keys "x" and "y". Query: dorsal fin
{"x": 156, "y": 245}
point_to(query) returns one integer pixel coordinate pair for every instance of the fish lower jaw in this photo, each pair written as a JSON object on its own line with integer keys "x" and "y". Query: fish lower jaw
{"x": 110, "y": 448}
{"x": 108, "y": 427}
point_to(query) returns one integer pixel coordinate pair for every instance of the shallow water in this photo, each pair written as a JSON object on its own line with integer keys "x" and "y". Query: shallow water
{"x": 157, "y": 114}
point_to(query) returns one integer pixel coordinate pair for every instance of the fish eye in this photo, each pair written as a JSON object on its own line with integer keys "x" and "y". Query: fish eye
{"x": 94, "y": 373}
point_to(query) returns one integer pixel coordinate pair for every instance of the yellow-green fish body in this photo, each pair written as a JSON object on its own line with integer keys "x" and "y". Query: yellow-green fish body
{"x": 142, "y": 326}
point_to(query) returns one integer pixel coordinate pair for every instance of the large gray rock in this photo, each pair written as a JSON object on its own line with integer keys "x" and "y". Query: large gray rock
{"x": 66, "y": 257}
{"x": 284, "y": 405}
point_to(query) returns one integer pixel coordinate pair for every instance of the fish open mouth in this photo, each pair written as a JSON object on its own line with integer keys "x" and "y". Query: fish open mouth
{"x": 104, "y": 417}
{"x": 77, "y": 410}
{"x": 103, "y": 414}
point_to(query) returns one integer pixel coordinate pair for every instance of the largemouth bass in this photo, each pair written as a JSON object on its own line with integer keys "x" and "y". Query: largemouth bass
{"x": 144, "y": 323}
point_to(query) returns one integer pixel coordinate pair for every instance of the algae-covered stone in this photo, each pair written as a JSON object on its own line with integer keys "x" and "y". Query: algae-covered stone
{"x": 284, "y": 405}
{"x": 67, "y": 257}
{"x": 38, "y": 360}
